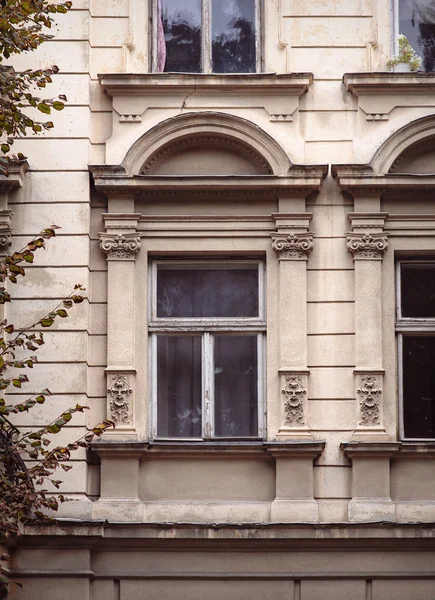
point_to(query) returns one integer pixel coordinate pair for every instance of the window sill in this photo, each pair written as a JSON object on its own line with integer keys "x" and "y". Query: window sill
{"x": 118, "y": 84}
{"x": 417, "y": 449}
{"x": 416, "y": 82}
{"x": 183, "y": 449}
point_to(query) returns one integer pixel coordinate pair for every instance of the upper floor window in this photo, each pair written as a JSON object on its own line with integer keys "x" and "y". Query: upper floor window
{"x": 207, "y": 327}
{"x": 416, "y": 336}
{"x": 206, "y": 36}
{"x": 416, "y": 20}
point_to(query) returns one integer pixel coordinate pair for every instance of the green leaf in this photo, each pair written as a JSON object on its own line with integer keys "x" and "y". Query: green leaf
{"x": 53, "y": 428}
{"x": 16, "y": 383}
{"x": 62, "y": 313}
{"x": 46, "y": 322}
{"x": 58, "y": 105}
{"x": 44, "y": 108}
{"x": 5, "y": 148}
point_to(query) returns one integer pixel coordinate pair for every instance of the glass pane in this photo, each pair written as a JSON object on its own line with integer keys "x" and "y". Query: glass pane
{"x": 417, "y": 22}
{"x": 209, "y": 292}
{"x": 419, "y": 386}
{"x": 233, "y": 36}
{"x": 418, "y": 290}
{"x": 179, "y": 36}
{"x": 179, "y": 386}
{"x": 236, "y": 386}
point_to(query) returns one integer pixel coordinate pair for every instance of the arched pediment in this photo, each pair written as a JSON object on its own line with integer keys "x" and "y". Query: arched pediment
{"x": 417, "y": 159}
{"x": 206, "y": 144}
{"x": 206, "y": 155}
{"x": 409, "y": 150}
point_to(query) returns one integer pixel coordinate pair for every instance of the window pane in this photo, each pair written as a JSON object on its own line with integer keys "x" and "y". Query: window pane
{"x": 179, "y": 36}
{"x": 179, "y": 386}
{"x": 418, "y": 290}
{"x": 419, "y": 386}
{"x": 417, "y": 22}
{"x": 236, "y": 386}
{"x": 209, "y": 292}
{"x": 233, "y": 36}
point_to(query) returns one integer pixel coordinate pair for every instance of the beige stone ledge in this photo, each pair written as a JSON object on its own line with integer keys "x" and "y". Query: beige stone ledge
{"x": 386, "y": 449}
{"x": 389, "y": 83}
{"x": 295, "y": 535}
{"x": 127, "y": 84}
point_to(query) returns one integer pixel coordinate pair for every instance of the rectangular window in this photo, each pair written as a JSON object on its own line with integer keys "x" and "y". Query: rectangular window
{"x": 416, "y": 20}
{"x": 206, "y": 36}
{"x": 207, "y": 325}
{"x": 416, "y": 336}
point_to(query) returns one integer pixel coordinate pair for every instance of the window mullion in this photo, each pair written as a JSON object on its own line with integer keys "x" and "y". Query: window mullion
{"x": 207, "y": 378}
{"x": 206, "y": 36}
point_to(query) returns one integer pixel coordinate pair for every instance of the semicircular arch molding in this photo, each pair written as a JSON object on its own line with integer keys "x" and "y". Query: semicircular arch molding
{"x": 416, "y": 138}
{"x": 226, "y": 133}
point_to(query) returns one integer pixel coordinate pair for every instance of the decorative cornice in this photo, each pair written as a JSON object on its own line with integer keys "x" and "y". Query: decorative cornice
{"x": 295, "y": 246}
{"x": 367, "y": 246}
{"x": 121, "y": 246}
{"x": 15, "y": 179}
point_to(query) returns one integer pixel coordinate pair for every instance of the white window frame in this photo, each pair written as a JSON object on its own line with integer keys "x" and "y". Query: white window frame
{"x": 404, "y": 326}
{"x": 206, "y": 42}
{"x": 206, "y": 327}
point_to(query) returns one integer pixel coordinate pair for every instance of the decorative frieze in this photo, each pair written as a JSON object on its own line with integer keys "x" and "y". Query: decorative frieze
{"x": 294, "y": 393}
{"x": 120, "y": 394}
{"x": 295, "y": 246}
{"x": 370, "y": 396}
{"x": 367, "y": 246}
{"x": 120, "y": 246}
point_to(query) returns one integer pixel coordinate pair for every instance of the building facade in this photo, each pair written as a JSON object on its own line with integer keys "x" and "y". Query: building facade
{"x": 247, "y": 193}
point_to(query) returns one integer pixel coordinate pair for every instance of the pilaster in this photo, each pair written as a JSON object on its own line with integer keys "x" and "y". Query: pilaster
{"x": 371, "y": 494}
{"x": 121, "y": 243}
{"x": 293, "y": 242}
{"x": 367, "y": 242}
{"x": 294, "y": 501}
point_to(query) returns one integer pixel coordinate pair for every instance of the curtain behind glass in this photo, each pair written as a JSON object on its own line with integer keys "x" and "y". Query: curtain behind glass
{"x": 179, "y": 386}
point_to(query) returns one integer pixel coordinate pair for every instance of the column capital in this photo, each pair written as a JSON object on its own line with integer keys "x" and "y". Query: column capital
{"x": 367, "y": 246}
{"x": 293, "y": 246}
{"x": 120, "y": 246}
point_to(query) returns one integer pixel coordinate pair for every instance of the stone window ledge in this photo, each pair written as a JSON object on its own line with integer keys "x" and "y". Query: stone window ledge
{"x": 118, "y": 84}
{"x": 361, "y": 84}
{"x": 386, "y": 449}
{"x": 183, "y": 449}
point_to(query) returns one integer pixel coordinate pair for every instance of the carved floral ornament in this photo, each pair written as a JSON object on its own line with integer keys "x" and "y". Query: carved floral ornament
{"x": 296, "y": 246}
{"x": 120, "y": 392}
{"x": 294, "y": 393}
{"x": 120, "y": 246}
{"x": 370, "y": 393}
{"x": 367, "y": 246}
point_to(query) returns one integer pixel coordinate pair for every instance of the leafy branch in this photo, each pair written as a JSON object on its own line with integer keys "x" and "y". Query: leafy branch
{"x": 23, "y": 25}
{"x": 27, "y": 461}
